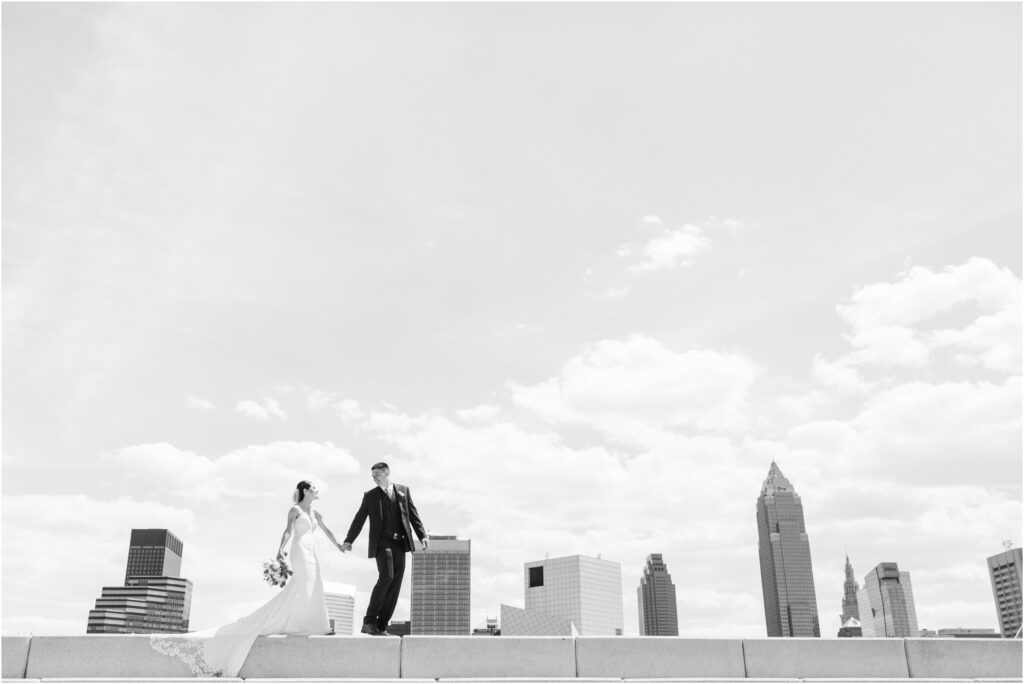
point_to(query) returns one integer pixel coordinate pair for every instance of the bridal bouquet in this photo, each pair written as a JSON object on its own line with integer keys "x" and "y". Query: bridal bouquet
{"x": 276, "y": 572}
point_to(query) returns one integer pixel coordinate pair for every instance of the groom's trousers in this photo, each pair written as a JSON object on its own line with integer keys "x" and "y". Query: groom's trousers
{"x": 390, "y": 570}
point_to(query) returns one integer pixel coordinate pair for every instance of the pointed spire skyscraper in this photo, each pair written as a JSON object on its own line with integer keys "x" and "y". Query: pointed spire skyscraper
{"x": 849, "y": 595}
{"x": 787, "y": 582}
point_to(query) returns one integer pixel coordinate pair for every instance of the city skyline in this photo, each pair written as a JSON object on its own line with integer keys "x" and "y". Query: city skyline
{"x": 577, "y": 271}
{"x": 449, "y": 614}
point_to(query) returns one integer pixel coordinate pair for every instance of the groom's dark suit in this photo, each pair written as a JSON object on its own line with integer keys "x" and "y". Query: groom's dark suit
{"x": 392, "y": 523}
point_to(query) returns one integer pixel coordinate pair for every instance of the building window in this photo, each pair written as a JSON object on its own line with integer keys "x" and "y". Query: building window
{"x": 537, "y": 576}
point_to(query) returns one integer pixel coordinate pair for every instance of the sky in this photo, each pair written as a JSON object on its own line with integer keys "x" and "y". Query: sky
{"x": 578, "y": 271}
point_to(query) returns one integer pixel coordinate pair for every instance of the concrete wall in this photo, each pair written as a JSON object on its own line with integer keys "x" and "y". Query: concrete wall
{"x": 323, "y": 657}
{"x": 615, "y": 658}
{"x": 831, "y": 658}
{"x": 990, "y": 658}
{"x": 128, "y": 655}
{"x": 434, "y": 657}
{"x": 14, "y": 656}
{"x": 658, "y": 657}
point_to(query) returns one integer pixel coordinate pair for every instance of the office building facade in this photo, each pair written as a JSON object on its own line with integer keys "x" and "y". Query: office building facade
{"x": 656, "y": 600}
{"x": 583, "y": 590}
{"x": 341, "y": 605}
{"x": 886, "y": 603}
{"x": 153, "y": 553}
{"x": 153, "y": 599}
{"x": 1004, "y": 570}
{"x": 441, "y": 587}
{"x": 520, "y": 622}
{"x": 787, "y": 581}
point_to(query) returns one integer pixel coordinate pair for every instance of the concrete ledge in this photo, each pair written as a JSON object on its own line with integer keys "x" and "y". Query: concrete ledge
{"x": 582, "y": 660}
{"x": 437, "y": 657}
{"x": 825, "y": 658}
{"x": 955, "y": 658}
{"x": 304, "y": 657}
{"x": 14, "y": 662}
{"x": 656, "y": 657}
{"x": 114, "y": 655}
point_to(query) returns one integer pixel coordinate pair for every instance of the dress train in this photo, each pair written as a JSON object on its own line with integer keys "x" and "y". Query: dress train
{"x": 298, "y": 609}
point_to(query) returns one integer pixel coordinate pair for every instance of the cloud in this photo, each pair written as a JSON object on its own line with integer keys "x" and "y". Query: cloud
{"x": 675, "y": 247}
{"x": 253, "y": 471}
{"x": 840, "y": 375}
{"x": 638, "y": 379}
{"x": 348, "y": 410}
{"x": 888, "y": 320}
{"x": 265, "y": 409}
{"x": 991, "y": 341}
{"x": 162, "y": 468}
{"x": 802, "y": 405}
{"x": 481, "y": 413}
{"x": 616, "y": 293}
{"x": 198, "y": 403}
{"x": 965, "y": 432}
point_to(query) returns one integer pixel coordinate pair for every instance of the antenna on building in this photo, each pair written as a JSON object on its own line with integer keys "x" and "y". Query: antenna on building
{"x": 1007, "y": 544}
{"x": 598, "y": 555}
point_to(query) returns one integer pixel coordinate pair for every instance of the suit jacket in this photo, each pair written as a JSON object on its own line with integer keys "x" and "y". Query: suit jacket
{"x": 372, "y": 507}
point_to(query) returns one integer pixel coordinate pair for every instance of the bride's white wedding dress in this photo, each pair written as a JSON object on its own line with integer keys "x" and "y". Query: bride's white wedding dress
{"x": 298, "y": 609}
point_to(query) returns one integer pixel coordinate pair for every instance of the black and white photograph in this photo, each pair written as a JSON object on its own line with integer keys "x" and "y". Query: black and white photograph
{"x": 356, "y": 322}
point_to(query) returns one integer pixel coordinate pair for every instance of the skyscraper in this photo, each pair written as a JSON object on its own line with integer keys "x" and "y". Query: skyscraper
{"x": 1004, "y": 569}
{"x": 153, "y": 553}
{"x": 440, "y": 587}
{"x": 341, "y": 603}
{"x": 656, "y": 600}
{"x": 886, "y": 603}
{"x": 849, "y": 619}
{"x": 153, "y": 599}
{"x": 849, "y": 595}
{"x": 585, "y": 591}
{"x": 787, "y": 582}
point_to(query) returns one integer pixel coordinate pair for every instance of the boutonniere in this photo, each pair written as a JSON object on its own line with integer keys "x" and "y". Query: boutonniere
{"x": 399, "y": 492}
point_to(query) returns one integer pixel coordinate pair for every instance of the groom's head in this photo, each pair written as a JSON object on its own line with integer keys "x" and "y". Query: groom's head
{"x": 381, "y": 474}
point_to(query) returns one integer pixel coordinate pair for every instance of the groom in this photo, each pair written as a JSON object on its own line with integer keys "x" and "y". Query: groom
{"x": 393, "y": 517}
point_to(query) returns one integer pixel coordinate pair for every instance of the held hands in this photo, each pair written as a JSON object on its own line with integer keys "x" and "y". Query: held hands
{"x": 345, "y": 547}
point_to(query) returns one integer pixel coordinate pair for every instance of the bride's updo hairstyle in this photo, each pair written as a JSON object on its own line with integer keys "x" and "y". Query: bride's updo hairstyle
{"x": 300, "y": 491}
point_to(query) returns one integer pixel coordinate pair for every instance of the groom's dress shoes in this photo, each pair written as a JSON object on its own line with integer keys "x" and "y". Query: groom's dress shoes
{"x": 372, "y": 629}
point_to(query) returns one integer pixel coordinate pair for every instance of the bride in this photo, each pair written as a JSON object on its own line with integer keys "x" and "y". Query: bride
{"x": 298, "y": 609}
